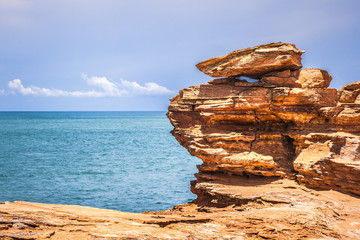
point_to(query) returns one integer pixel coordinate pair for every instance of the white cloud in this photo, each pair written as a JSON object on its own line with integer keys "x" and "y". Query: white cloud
{"x": 105, "y": 88}
{"x": 2, "y": 92}
{"x": 108, "y": 87}
{"x": 149, "y": 88}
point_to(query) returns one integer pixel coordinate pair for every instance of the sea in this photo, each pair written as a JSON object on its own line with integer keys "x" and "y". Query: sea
{"x": 126, "y": 161}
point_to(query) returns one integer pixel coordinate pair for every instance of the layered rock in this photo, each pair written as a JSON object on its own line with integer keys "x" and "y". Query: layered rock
{"x": 286, "y": 125}
{"x": 254, "y": 62}
{"x": 350, "y": 93}
{"x": 304, "y": 78}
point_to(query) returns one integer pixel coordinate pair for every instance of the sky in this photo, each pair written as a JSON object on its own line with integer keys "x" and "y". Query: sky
{"x": 133, "y": 55}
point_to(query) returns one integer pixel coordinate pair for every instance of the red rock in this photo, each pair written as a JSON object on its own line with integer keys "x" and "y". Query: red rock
{"x": 352, "y": 86}
{"x": 304, "y": 78}
{"x": 254, "y": 62}
{"x": 350, "y": 93}
{"x": 275, "y": 209}
{"x": 287, "y": 125}
{"x": 314, "y": 78}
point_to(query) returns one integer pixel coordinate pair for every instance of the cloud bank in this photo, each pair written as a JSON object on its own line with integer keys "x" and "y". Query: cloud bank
{"x": 104, "y": 88}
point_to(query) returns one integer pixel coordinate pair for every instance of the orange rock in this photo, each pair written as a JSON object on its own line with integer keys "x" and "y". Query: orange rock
{"x": 350, "y": 93}
{"x": 254, "y": 62}
{"x": 236, "y": 208}
{"x": 304, "y": 78}
{"x": 314, "y": 78}
{"x": 287, "y": 125}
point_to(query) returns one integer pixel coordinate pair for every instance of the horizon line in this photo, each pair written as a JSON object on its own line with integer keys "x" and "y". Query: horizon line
{"x": 83, "y": 111}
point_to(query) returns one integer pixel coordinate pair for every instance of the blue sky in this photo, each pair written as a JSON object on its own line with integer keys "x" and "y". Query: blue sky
{"x": 124, "y": 55}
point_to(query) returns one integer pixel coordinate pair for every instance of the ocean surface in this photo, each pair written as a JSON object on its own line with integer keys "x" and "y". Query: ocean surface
{"x": 126, "y": 161}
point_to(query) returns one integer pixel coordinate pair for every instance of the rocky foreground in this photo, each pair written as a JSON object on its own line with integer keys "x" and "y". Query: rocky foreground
{"x": 281, "y": 160}
{"x": 258, "y": 209}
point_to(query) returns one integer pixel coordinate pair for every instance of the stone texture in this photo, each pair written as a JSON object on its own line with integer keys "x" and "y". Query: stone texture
{"x": 287, "y": 125}
{"x": 350, "y": 93}
{"x": 270, "y": 131}
{"x": 314, "y": 78}
{"x": 254, "y": 62}
{"x": 235, "y": 208}
{"x": 304, "y": 78}
{"x": 261, "y": 142}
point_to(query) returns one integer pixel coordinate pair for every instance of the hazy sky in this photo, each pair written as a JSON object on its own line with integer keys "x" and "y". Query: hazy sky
{"x": 135, "y": 55}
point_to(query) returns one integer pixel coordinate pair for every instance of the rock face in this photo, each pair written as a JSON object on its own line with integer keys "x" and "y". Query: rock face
{"x": 254, "y": 62}
{"x": 252, "y": 136}
{"x": 287, "y": 125}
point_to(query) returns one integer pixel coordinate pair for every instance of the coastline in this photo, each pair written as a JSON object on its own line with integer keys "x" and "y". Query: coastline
{"x": 276, "y": 210}
{"x": 280, "y": 160}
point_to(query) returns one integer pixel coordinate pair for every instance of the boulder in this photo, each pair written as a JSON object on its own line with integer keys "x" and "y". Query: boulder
{"x": 254, "y": 62}
{"x": 304, "y": 78}
{"x": 350, "y": 93}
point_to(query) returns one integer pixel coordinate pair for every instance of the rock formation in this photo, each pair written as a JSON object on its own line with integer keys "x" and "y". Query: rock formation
{"x": 254, "y": 62}
{"x": 286, "y": 125}
{"x": 268, "y": 148}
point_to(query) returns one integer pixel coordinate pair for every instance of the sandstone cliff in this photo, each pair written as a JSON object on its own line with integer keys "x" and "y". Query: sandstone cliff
{"x": 286, "y": 125}
{"x": 273, "y": 150}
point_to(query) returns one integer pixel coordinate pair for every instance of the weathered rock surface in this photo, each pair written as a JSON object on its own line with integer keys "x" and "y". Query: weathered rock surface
{"x": 235, "y": 208}
{"x": 254, "y": 62}
{"x": 271, "y": 131}
{"x": 288, "y": 125}
{"x": 350, "y": 93}
{"x": 304, "y": 78}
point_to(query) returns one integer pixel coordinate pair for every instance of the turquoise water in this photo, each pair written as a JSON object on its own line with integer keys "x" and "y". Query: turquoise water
{"x": 126, "y": 161}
